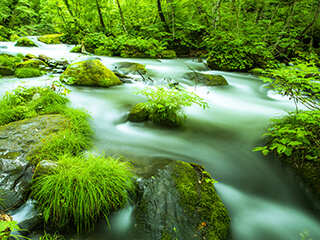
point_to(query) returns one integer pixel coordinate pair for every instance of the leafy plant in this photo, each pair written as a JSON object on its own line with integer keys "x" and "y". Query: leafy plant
{"x": 82, "y": 189}
{"x": 299, "y": 82}
{"x": 296, "y": 135}
{"x": 166, "y": 105}
{"x": 6, "y": 227}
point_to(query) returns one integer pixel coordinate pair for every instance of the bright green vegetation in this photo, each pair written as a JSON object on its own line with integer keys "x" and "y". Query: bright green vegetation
{"x": 83, "y": 189}
{"x": 295, "y": 137}
{"x": 24, "y": 103}
{"x": 8, "y": 60}
{"x": 89, "y": 73}
{"x": 200, "y": 198}
{"x": 6, "y": 227}
{"x": 28, "y": 72}
{"x": 76, "y": 49}
{"x": 48, "y": 236}
{"x": 25, "y": 42}
{"x": 236, "y": 35}
{"x": 165, "y": 105}
{"x": 51, "y": 38}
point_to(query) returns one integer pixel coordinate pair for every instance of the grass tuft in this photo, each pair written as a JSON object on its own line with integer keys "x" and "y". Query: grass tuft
{"x": 83, "y": 189}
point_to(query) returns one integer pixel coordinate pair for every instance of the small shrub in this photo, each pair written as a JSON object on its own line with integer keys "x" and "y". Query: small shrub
{"x": 6, "y": 227}
{"x": 165, "y": 105}
{"x": 28, "y": 72}
{"x": 82, "y": 189}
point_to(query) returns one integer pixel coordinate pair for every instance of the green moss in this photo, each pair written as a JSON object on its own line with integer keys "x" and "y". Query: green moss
{"x": 25, "y": 42}
{"x": 7, "y": 60}
{"x": 198, "y": 195}
{"x": 32, "y": 63}
{"x": 51, "y": 38}
{"x": 256, "y": 71}
{"x": 28, "y": 72}
{"x": 89, "y": 73}
{"x": 139, "y": 113}
{"x": 6, "y": 71}
{"x": 76, "y": 49}
{"x": 168, "y": 54}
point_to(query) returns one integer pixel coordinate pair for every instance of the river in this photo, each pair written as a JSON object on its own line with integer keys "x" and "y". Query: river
{"x": 263, "y": 199}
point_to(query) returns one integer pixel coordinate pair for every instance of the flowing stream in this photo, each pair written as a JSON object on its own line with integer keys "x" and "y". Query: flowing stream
{"x": 263, "y": 199}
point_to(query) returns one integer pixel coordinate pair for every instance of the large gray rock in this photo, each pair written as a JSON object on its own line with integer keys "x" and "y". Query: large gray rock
{"x": 17, "y": 141}
{"x": 179, "y": 202}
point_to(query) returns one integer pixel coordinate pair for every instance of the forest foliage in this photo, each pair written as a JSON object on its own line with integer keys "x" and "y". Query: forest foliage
{"x": 256, "y": 32}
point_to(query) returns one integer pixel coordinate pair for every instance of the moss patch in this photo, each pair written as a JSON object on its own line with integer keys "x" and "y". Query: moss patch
{"x": 25, "y": 42}
{"x": 89, "y": 73}
{"x": 139, "y": 113}
{"x": 168, "y": 54}
{"x": 199, "y": 196}
{"x": 28, "y": 72}
{"x": 32, "y": 63}
{"x": 51, "y": 38}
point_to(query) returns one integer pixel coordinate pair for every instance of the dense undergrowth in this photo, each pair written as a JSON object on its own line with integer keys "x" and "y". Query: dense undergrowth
{"x": 82, "y": 188}
{"x": 296, "y": 137}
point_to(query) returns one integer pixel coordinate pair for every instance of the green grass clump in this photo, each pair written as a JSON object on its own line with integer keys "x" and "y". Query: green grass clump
{"x": 28, "y": 72}
{"x": 82, "y": 189}
{"x": 25, "y": 102}
{"x": 71, "y": 141}
{"x": 8, "y": 60}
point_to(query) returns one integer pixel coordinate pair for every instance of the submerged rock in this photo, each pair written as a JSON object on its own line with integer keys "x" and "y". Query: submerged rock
{"x": 180, "y": 202}
{"x": 130, "y": 68}
{"x": 25, "y": 42}
{"x": 89, "y": 73}
{"x": 206, "y": 79}
{"x": 17, "y": 140}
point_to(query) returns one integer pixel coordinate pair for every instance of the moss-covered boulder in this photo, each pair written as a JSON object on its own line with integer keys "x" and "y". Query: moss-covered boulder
{"x": 130, "y": 68}
{"x": 6, "y": 71}
{"x": 30, "y": 68}
{"x": 7, "y": 63}
{"x": 89, "y": 73}
{"x": 25, "y": 42}
{"x": 180, "y": 202}
{"x": 206, "y": 79}
{"x": 32, "y": 63}
{"x": 51, "y": 38}
{"x": 168, "y": 54}
{"x": 17, "y": 139}
{"x": 138, "y": 113}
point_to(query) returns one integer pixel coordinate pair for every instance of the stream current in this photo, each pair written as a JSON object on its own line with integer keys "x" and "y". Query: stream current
{"x": 263, "y": 199}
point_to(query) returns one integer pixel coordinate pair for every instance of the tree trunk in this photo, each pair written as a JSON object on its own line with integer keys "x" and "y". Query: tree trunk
{"x": 122, "y": 18}
{"x": 163, "y": 20}
{"x": 103, "y": 26}
{"x": 215, "y": 9}
{"x": 285, "y": 26}
{"x": 68, "y": 7}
